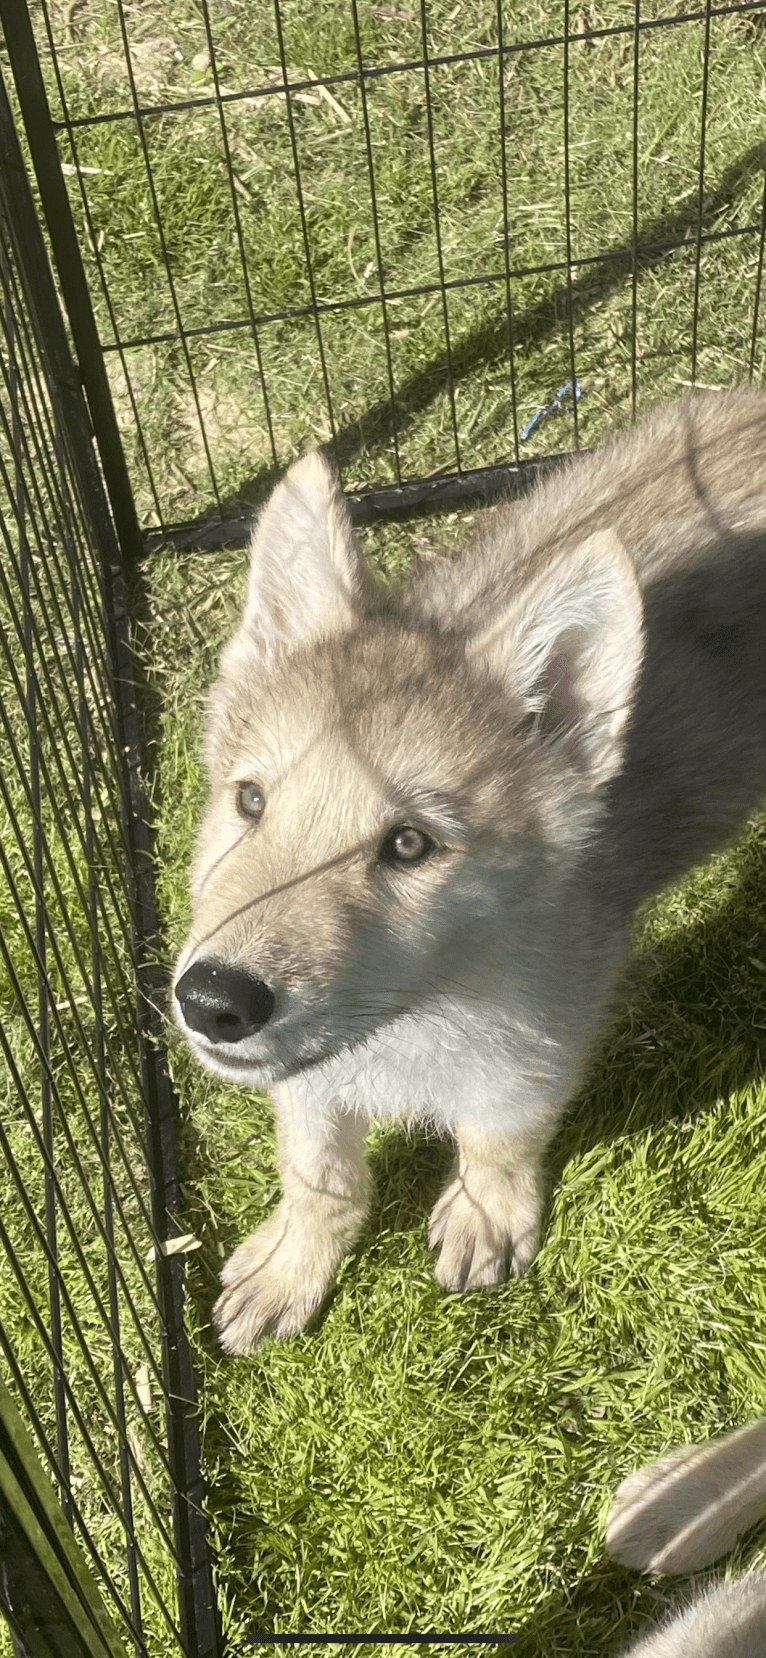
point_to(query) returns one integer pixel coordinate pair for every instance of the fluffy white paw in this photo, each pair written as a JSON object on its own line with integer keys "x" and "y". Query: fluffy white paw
{"x": 275, "y": 1282}
{"x": 486, "y": 1224}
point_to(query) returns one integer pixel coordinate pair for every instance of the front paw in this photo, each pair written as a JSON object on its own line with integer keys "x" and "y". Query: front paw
{"x": 486, "y": 1224}
{"x": 276, "y": 1282}
{"x": 687, "y": 1510}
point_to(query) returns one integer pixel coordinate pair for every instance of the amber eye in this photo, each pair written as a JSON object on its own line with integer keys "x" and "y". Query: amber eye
{"x": 405, "y": 845}
{"x": 250, "y": 800}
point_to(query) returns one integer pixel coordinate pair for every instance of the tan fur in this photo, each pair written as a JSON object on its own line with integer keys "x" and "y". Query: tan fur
{"x": 572, "y": 713}
{"x": 679, "y": 1515}
{"x": 728, "y": 1621}
{"x": 299, "y": 1248}
{"x": 487, "y": 1220}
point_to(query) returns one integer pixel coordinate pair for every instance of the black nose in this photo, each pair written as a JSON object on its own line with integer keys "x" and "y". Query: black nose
{"x": 224, "y": 1004}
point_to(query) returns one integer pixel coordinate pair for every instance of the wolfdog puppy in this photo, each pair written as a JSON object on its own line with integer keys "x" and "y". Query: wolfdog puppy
{"x": 681, "y": 1514}
{"x": 433, "y": 813}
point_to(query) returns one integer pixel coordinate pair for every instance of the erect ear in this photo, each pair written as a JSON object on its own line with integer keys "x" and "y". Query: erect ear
{"x": 571, "y": 645}
{"x": 306, "y": 578}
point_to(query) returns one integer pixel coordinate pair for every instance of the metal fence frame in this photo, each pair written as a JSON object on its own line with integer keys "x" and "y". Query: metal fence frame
{"x": 100, "y": 492}
{"x": 47, "y": 441}
{"x": 648, "y": 245}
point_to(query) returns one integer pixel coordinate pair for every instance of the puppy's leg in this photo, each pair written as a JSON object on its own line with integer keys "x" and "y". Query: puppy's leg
{"x": 727, "y": 1622}
{"x": 686, "y": 1510}
{"x": 487, "y": 1221}
{"x": 276, "y": 1281}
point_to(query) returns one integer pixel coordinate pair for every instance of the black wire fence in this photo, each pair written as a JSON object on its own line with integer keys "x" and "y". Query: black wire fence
{"x": 91, "y": 1330}
{"x": 444, "y": 241}
{"x": 400, "y": 228}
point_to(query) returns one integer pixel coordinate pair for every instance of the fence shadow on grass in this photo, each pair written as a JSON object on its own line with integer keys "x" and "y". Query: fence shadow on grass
{"x": 691, "y": 1024}
{"x": 706, "y": 980}
{"x": 605, "y": 1613}
{"x": 657, "y": 240}
{"x": 690, "y": 1027}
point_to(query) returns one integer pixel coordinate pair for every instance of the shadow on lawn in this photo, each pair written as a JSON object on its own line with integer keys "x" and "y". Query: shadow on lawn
{"x": 693, "y": 1030}
{"x": 657, "y": 241}
{"x": 690, "y": 1028}
{"x": 573, "y": 1620}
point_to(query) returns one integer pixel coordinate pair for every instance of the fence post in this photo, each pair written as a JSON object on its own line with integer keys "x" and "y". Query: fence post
{"x": 46, "y": 1589}
{"x": 197, "y": 1611}
{"x": 33, "y": 102}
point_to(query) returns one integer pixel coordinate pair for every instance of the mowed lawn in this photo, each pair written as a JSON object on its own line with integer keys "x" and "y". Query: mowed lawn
{"x": 434, "y": 1463}
{"x": 425, "y": 1463}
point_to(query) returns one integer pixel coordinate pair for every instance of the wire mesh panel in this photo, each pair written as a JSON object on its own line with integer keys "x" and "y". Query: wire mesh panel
{"x": 84, "y": 1313}
{"x": 443, "y": 240}
{"x": 404, "y": 229}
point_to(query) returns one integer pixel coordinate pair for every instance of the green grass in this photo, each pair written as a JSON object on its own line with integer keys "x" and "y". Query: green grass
{"x": 202, "y": 223}
{"x": 70, "y": 970}
{"x": 425, "y": 1462}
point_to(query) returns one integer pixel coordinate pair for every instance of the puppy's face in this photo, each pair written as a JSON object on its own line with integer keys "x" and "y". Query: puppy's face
{"x": 387, "y": 793}
{"x": 358, "y": 807}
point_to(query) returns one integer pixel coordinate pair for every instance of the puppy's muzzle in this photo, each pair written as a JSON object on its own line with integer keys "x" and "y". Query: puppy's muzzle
{"x": 223, "y": 1003}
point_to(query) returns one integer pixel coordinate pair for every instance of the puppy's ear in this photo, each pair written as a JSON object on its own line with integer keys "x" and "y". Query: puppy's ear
{"x": 571, "y": 645}
{"x": 306, "y": 579}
